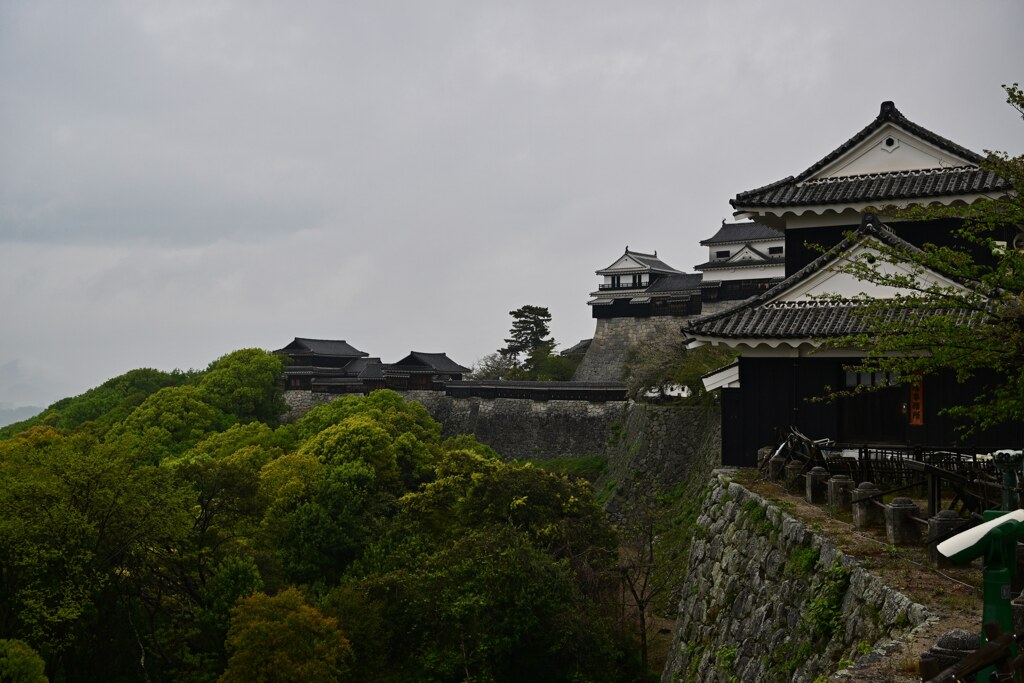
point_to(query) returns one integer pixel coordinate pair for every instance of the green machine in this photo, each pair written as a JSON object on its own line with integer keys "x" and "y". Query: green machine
{"x": 996, "y": 541}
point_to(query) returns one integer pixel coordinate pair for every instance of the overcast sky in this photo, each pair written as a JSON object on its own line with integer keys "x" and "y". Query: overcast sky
{"x": 181, "y": 179}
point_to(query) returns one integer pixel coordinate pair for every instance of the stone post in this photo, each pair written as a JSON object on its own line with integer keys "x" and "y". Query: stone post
{"x": 942, "y": 526}
{"x": 777, "y": 466}
{"x": 951, "y": 648}
{"x": 793, "y": 476}
{"x": 840, "y": 488}
{"x": 816, "y": 486}
{"x": 865, "y": 513}
{"x": 900, "y": 529}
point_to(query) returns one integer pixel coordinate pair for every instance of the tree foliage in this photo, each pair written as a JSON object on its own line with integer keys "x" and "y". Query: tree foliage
{"x": 972, "y": 324}
{"x": 529, "y": 353}
{"x": 530, "y": 329}
{"x": 20, "y": 664}
{"x": 191, "y": 538}
{"x": 284, "y": 639}
{"x": 668, "y": 362}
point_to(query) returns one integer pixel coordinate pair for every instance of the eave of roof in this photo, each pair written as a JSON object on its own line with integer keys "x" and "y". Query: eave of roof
{"x": 322, "y": 347}
{"x": 874, "y": 187}
{"x": 650, "y": 264}
{"x": 726, "y": 265}
{"x": 741, "y": 233}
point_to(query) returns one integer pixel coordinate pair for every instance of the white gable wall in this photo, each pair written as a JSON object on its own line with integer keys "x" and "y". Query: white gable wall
{"x": 626, "y": 262}
{"x": 906, "y": 153}
{"x": 831, "y": 281}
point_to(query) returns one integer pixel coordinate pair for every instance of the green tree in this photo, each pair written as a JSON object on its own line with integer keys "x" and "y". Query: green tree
{"x": 78, "y": 524}
{"x": 246, "y": 384}
{"x": 20, "y": 664}
{"x": 104, "y": 405}
{"x": 281, "y": 639}
{"x": 529, "y": 331}
{"x": 974, "y": 328}
{"x": 489, "y": 605}
{"x": 167, "y": 423}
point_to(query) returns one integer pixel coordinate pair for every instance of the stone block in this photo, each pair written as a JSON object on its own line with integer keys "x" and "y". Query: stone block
{"x": 840, "y": 493}
{"x": 900, "y": 527}
{"x": 866, "y": 514}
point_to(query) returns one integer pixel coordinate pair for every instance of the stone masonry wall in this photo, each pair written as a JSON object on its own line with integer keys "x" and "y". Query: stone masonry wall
{"x": 523, "y": 428}
{"x": 645, "y": 443}
{"x": 614, "y": 339}
{"x": 766, "y": 599}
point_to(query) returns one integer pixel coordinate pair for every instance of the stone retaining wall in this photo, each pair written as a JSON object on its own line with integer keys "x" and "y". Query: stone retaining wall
{"x": 645, "y": 443}
{"x": 614, "y": 340}
{"x": 766, "y": 599}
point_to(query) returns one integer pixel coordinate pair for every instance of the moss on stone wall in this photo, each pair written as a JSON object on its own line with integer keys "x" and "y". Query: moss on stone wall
{"x": 782, "y": 601}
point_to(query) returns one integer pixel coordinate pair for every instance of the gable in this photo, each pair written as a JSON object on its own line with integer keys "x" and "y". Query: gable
{"x": 887, "y": 150}
{"x": 746, "y": 255}
{"x": 830, "y": 281}
{"x": 626, "y": 262}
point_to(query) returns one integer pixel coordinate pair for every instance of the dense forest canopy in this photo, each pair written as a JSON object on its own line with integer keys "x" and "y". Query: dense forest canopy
{"x": 167, "y": 527}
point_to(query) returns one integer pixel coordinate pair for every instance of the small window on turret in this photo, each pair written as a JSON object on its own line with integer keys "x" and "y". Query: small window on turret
{"x": 775, "y": 250}
{"x": 722, "y": 254}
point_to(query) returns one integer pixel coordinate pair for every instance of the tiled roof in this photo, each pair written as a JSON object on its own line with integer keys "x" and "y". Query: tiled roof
{"x": 438, "y": 362}
{"x": 794, "y": 191}
{"x": 683, "y": 282}
{"x": 761, "y": 318}
{"x": 719, "y": 265}
{"x": 649, "y": 263}
{"x": 874, "y": 187}
{"x": 808, "y": 320}
{"x": 737, "y": 233}
{"x": 323, "y": 347}
{"x": 366, "y": 368}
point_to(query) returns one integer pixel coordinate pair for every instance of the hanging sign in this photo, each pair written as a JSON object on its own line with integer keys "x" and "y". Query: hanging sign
{"x": 916, "y": 413}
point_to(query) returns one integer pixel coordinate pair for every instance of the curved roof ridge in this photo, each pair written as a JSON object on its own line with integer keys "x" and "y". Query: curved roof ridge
{"x": 888, "y": 113}
{"x": 905, "y": 173}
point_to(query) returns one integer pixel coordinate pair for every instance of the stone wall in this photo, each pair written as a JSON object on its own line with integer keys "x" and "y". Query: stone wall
{"x": 614, "y": 340}
{"x": 766, "y": 599}
{"x": 644, "y": 443}
{"x": 302, "y": 401}
{"x": 523, "y": 428}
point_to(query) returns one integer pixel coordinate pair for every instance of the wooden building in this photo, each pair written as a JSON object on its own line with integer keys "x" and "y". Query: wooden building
{"x": 640, "y": 285}
{"x": 318, "y": 363}
{"x": 335, "y": 367}
{"x": 420, "y": 370}
{"x": 744, "y": 259}
{"x": 780, "y": 373}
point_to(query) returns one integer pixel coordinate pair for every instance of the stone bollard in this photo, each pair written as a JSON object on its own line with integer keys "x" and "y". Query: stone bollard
{"x": 951, "y": 648}
{"x": 777, "y": 466}
{"x": 794, "y": 481}
{"x": 816, "y": 486}
{"x": 941, "y": 527}
{"x": 865, "y": 513}
{"x": 840, "y": 488}
{"x": 900, "y": 529}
